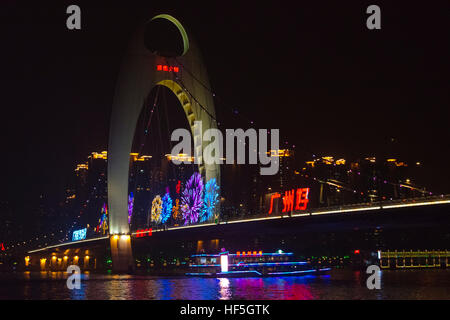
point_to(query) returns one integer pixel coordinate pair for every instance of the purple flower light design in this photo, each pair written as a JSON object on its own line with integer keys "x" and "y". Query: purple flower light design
{"x": 192, "y": 199}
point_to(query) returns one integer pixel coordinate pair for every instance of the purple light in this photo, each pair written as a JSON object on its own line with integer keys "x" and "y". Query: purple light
{"x": 130, "y": 206}
{"x": 192, "y": 199}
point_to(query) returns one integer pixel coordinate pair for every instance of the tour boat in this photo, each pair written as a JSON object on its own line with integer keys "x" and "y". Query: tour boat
{"x": 250, "y": 264}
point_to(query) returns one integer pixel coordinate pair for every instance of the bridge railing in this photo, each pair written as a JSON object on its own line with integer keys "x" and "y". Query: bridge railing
{"x": 387, "y": 204}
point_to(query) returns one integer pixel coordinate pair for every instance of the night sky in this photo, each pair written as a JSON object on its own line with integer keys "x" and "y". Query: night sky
{"x": 332, "y": 86}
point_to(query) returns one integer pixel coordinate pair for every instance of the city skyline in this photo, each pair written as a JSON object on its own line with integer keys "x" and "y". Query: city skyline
{"x": 313, "y": 98}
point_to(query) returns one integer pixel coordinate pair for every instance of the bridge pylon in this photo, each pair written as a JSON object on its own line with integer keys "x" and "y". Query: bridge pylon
{"x": 160, "y": 54}
{"x": 121, "y": 253}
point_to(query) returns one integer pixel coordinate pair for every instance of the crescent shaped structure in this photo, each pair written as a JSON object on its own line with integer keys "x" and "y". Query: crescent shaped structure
{"x": 160, "y": 53}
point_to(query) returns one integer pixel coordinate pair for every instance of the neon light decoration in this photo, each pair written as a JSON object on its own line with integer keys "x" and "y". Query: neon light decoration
{"x": 2, "y": 247}
{"x": 176, "y": 210}
{"x": 298, "y": 197}
{"x": 178, "y": 187}
{"x": 192, "y": 199}
{"x": 103, "y": 222}
{"x": 274, "y": 196}
{"x": 79, "y": 235}
{"x": 143, "y": 233}
{"x": 302, "y": 199}
{"x": 130, "y": 206}
{"x": 166, "y": 208}
{"x": 210, "y": 200}
{"x": 165, "y": 68}
{"x": 288, "y": 201}
{"x": 255, "y": 264}
{"x": 246, "y": 271}
{"x": 156, "y": 209}
{"x": 300, "y": 271}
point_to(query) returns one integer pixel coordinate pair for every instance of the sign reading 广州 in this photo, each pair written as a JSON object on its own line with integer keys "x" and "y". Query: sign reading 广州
{"x": 291, "y": 200}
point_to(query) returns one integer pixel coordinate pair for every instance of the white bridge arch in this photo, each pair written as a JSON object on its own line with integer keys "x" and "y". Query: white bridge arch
{"x": 138, "y": 76}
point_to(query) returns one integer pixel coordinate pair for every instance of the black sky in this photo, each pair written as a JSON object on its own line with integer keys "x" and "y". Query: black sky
{"x": 315, "y": 71}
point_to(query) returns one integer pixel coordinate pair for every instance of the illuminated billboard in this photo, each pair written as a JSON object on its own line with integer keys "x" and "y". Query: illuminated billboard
{"x": 78, "y": 235}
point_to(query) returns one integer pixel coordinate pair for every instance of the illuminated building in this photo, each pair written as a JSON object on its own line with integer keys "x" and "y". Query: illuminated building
{"x": 85, "y": 201}
{"x": 180, "y": 172}
{"x": 143, "y": 179}
{"x": 284, "y": 178}
{"x": 370, "y": 179}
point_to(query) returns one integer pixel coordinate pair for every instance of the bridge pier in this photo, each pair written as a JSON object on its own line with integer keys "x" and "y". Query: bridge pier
{"x": 121, "y": 253}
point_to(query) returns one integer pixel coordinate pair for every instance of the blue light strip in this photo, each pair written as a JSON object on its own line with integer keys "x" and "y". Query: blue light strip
{"x": 269, "y": 264}
{"x": 204, "y": 265}
{"x": 259, "y": 273}
{"x": 292, "y": 272}
{"x": 300, "y": 271}
{"x": 247, "y": 271}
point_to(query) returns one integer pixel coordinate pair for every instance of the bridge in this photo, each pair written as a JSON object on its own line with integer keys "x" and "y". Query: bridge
{"x": 176, "y": 63}
{"x": 421, "y": 224}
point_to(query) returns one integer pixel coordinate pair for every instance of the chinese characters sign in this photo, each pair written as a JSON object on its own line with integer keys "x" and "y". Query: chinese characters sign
{"x": 165, "y": 68}
{"x": 291, "y": 200}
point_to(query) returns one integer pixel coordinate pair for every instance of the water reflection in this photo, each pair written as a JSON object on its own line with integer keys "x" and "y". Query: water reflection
{"x": 339, "y": 284}
{"x": 224, "y": 292}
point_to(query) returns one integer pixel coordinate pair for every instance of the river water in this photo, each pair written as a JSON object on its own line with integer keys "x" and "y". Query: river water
{"x": 338, "y": 284}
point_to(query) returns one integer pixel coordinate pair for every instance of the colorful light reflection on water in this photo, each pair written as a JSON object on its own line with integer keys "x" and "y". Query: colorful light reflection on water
{"x": 339, "y": 284}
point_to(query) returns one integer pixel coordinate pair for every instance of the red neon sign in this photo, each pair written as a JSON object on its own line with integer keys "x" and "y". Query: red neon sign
{"x": 2, "y": 247}
{"x": 288, "y": 201}
{"x": 165, "y": 68}
{"x": 274, "y": 196}
{"x": 178, "y": 187}
{"x": 143, "y": 233}
{"x": 302, "y": 199}
{"x": 298, "y": 197}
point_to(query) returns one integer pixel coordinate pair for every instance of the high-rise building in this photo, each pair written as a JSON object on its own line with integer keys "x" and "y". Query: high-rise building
{"x": 337, "y": 182}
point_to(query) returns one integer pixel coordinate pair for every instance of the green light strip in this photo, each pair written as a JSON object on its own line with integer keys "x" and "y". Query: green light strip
{"x": 180, "y": 28}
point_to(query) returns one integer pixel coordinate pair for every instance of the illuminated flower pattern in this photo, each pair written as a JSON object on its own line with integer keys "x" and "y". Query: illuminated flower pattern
{"x": 166, "y": 208}
{"x": 192, "y": 199}
{"x": 176, "y": 210}
{"x": 211, "y": 198}
{"x": 156, "y": 209}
